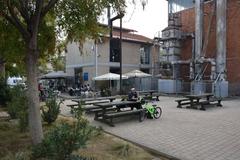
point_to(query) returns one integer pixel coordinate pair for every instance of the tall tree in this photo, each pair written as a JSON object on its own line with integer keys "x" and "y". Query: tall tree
{"x": 75, "y": 18}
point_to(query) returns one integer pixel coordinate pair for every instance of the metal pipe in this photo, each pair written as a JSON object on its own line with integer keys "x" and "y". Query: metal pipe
{"x": 221, "y": 38}
{"x": 198, "y": 27}
{"x": 120, "y": 55}
{"x": 96, "y": 59}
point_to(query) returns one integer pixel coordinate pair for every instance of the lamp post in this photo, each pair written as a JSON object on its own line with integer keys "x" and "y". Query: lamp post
{"x": 110, "y": 23}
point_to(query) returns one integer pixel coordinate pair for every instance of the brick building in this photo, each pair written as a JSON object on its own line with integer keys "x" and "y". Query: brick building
{"x": 183, "y": 20}
{"x": 233, "y": 39}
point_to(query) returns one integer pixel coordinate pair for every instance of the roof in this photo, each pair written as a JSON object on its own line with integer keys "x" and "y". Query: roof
{"x": 118, "y": 28}
{"x": 130, "y": 36}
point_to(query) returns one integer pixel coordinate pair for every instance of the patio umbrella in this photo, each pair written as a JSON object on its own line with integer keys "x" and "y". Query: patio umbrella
{"x": 109, "y": 76}
{"x": 137, "y": 74}
{"x": 55, "y": 75}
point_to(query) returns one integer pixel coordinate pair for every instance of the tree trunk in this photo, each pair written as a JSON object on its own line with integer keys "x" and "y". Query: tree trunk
{"x": 35, "y": 124}
{"x": 2, "y": 69}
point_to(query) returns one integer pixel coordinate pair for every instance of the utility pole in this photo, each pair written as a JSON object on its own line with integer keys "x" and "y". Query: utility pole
{"x": 110, "y": 25}
{"x": 120, "y": 47}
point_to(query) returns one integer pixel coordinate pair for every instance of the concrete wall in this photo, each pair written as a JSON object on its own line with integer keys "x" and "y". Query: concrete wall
{"x": 233, "y": 38}
{"x": 87, "y": 60}
{"x": 78, "y": 56}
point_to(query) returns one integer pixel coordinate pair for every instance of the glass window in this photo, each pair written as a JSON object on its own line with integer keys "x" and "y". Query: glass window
{"x": 145, "y": 55}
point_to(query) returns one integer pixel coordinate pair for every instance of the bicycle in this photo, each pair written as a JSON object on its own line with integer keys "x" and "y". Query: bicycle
{"x": 151, "y": 110}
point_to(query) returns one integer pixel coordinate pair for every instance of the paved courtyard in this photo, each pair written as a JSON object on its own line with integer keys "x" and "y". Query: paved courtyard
{"x": 186, "y": 134}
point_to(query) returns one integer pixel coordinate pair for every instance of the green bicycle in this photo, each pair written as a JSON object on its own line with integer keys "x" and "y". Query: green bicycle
{"x": 151, "y": 111}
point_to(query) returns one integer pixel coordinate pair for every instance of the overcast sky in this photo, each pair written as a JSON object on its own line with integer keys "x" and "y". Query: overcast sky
{"x": 147, "y": 22}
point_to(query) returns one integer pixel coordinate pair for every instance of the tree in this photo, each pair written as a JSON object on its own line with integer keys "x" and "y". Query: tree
{"x": 75, "y": 18}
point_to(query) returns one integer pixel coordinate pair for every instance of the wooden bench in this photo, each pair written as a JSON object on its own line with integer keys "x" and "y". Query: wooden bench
{"x": 216, "y": 101}
{"x": 181, "y": 102}
{"x": 72, "y": 106}
{"x": 99, "y": 112}
{"x": 110, "y": 116}
{"x": 86, "y": 108}
{"x": 151, "y": 98}
{"x": 94, "y": 102}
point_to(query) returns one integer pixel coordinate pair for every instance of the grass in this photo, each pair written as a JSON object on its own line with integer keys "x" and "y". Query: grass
{"x": 102, "y": 147}
{"x": 107, "y": 147}
{"x": 12, "y": 141}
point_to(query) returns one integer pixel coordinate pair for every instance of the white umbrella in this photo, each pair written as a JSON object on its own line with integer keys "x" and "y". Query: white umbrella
{"x": 137, "y": 74}
{"x": 109, "y": 76}
{"x": 55, "y": 75}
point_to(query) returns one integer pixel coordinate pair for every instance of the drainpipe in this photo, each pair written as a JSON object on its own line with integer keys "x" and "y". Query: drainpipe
{"x": 221, "y": 38}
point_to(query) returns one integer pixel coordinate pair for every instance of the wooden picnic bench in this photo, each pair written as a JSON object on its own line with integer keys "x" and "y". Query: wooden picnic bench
{"x": 111, "y": 116}
{"x": 86, "y": 108}
{"x": 183, "y": 102}
{"x": 151, "y": 98}
{"x": 104, "y": 115}
{"x": 212, "y": 101}
{"x": 150, "y": 95}
{"x": 72, "y": 106}
{"x": 199, "y": 100}
{"x": 84, "y": 100}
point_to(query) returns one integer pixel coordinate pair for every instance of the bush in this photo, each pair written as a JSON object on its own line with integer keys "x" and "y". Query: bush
{"x": 17, "y": 156}
{"x": 51, "y": 110}
{"x": 60, "y": 142}
{"x": 4, "y": 92}
{"x": 17, "y": 107}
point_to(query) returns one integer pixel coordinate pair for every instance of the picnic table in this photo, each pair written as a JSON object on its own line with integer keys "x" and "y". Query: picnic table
{"x": 89, "y": 101}
{"x": 147, "y": 92}
{"x": 105, "y": 116}
{"x": 199, "y": 99}
{"x": 150, "y": 95}
{"x": 84, "y": 100}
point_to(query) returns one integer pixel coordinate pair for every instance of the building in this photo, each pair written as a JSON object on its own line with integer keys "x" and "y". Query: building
{"x": 201, "y": 47}
{"x": 94, "y": 57}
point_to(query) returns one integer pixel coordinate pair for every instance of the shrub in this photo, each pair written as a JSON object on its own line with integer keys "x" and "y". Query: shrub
{"x": 17, "y": 156}
{"x": 51, "y": 110}
{"x": 17, "y": 107}
{"x": 60, "y": 142}
{"x": 4, "y": 92}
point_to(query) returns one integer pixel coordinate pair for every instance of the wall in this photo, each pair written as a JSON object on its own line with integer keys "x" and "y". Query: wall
{"x": 76, "y": 57}
{"x": 233, "y": 38}
{"x": 130, "y": 58}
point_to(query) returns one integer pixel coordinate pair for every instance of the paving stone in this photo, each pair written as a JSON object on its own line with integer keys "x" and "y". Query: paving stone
{"x": 187, "y": 134}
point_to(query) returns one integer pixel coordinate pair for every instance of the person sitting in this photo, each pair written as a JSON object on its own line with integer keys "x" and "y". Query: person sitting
{"x": 132, "y": 95}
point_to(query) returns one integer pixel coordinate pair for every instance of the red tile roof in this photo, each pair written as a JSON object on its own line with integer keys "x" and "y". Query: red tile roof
{"x": 131, "y": 36}
{"x": 128, "y": 34}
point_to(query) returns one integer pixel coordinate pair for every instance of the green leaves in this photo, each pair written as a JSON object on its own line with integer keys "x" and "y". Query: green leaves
{"x": 78, "y": 18}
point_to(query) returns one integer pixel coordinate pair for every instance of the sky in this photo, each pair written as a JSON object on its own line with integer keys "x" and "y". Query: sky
{"x": 147, "y": 22}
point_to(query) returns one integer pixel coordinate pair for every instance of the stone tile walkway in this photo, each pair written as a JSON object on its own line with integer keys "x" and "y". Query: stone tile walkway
{"x": 186, "y": 134}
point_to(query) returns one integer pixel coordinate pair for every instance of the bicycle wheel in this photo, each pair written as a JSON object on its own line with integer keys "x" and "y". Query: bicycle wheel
{"x": 158, "y": 112}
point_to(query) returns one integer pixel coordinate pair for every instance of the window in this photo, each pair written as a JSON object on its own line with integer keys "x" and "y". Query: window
{"x": 114, "y": 50}
{"x": 145, "y": 55}
{"x": 114, "y": 70}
